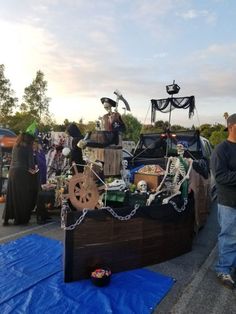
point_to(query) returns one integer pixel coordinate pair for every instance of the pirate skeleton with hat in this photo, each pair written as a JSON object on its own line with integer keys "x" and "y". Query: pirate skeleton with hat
{"x": 112, "y": 121}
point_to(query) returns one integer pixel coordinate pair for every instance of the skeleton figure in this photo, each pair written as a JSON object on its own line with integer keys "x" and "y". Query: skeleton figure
{"x": 125, "y": 173}
{"x": 175, "y": 178}
{"x": 142, "y": 187}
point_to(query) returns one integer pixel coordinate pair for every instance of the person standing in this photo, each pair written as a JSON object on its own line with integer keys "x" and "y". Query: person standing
{"x": 41, "y": 198}
{"x": 40, "y": 161}
{"x": 76, "y": 152}
{"x": 223, "y": 164}
{"x": 22, "y": 168}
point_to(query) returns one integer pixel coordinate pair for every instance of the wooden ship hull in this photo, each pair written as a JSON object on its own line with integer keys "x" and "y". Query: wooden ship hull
{"x": 154, "y": 234}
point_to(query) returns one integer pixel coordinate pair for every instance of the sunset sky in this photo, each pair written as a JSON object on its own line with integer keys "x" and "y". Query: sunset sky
{"x": 89, "y": 48}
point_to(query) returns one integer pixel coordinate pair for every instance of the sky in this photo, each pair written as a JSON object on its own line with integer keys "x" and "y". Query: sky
{"x": 89, "y": 48}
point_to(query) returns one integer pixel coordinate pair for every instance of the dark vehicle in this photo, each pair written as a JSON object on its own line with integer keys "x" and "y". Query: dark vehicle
{"x": 7, "y": 141}
{"x": 7, "y": 138}
{"x": 152, "y": 148}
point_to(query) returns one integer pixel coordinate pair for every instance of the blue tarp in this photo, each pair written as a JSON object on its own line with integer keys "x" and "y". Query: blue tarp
{"x": 31, "y": 281}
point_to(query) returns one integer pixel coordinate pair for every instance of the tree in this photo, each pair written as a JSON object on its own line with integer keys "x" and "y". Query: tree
{"x": 20, "y": 121}
{"x": 226, "y": 115}
{"x": 7, "y": 100}
{"x": 217, "y": 137}
{"x": 177, "y": 127}
{"x": 162, "y": 125}
{"x": 133, "y": 127}
{"x": 35, "y": 100}
{"x": 206, "y": 130}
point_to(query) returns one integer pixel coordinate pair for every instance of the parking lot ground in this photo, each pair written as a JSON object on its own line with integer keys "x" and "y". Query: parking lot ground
{"x": 196, "y": 289}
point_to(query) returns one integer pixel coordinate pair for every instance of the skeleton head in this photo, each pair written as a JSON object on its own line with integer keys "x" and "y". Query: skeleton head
{"x": 142, "y": 186}
{"x": 181, "y": 147}
{"x": 124, "y": 164}
{"x": 107, "y": 106}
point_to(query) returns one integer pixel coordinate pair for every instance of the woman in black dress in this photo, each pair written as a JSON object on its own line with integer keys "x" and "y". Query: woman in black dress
{"x": 18, "y": 200}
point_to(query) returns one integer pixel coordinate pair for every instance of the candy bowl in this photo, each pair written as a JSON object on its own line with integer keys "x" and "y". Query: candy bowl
{"x": 100, "y": 277}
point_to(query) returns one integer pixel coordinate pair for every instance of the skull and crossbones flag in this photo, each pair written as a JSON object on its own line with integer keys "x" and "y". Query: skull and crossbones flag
{"x": 169, "y": 104}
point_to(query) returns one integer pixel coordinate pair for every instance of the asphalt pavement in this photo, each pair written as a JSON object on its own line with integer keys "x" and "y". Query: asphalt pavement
{"x": 196, "y": 289}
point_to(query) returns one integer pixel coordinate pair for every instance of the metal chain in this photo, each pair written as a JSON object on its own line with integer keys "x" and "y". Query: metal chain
{"x": 78, "y": 221}
{"x": 182, "y": 208}
{"x": 127, "y": 217}
{"x": 64, "y": 210}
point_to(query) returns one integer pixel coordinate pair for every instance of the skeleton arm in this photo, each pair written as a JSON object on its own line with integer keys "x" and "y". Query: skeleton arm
{"x": 158, "y": 189}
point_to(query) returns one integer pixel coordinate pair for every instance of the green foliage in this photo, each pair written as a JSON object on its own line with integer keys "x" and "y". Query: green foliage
{"x": 19, "y": 122}
{"x": 35, "y": 100}
{"x": 7, "y": 100}
{"x": 218, "y": 136}
{"x": 177, "y": 127}
{"x": 133, "y": 127}
{"x": 91, "y": 126}
{"x": 161, "y": 125}
{"x": 206, "y": 130}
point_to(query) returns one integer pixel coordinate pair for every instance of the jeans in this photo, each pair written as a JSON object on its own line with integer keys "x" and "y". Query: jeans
{"x": 226, "y": 239}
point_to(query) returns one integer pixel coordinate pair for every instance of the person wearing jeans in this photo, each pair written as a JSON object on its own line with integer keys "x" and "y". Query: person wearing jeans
{"x": 223, "y": 164}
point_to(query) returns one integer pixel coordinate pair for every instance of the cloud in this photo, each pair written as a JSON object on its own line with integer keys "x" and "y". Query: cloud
{"x": 26, "y": 49}
{"x": 87, "y": 49}
{"x": 209, "y": 17}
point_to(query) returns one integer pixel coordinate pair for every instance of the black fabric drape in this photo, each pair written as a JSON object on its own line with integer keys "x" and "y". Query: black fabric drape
{"x": 169, "y": 104}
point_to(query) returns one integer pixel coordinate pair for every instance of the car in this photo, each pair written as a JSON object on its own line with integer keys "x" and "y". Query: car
{"x": 7, "y": 141}
{"x": 7, "y": 138}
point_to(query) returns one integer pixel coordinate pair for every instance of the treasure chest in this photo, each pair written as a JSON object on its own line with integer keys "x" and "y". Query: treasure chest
{"x": 153, "y": 180}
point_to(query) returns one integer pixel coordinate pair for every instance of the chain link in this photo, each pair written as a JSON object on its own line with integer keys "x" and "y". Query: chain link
{"x": 78, "y": 221}
{"x": 127, "y": 217}
{"x": 65, "y": 209}
{"x": 182, "y": 208}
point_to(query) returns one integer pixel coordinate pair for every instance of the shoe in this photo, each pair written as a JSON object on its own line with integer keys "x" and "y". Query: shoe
{"x": 5, "y": 223}
{"x": 226, "y": 280}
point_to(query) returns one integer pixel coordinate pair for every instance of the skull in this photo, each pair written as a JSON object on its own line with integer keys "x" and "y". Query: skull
{"x": 142, "y": 186}
{"x": 124, "y": 164}
{"x": 180, "y": 149}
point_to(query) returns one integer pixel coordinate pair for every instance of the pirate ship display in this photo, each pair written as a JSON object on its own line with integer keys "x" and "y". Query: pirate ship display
{"x": 111, "y": 224}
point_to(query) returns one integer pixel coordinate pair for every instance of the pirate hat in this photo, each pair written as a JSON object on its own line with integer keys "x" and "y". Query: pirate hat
{"x": 109, "y": 101}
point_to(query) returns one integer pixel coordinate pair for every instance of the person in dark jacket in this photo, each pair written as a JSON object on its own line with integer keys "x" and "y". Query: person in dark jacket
{"x": 76, "y": 152}
{"x": 223, "y": 163}
{"x": 18, "y": 204}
